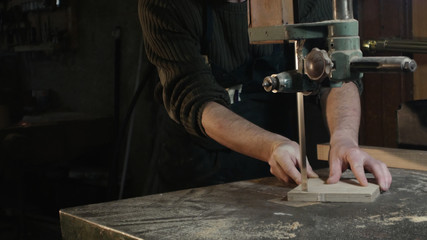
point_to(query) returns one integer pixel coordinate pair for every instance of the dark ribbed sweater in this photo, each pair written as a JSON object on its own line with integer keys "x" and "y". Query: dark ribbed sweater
{"x": 173, "y": 33}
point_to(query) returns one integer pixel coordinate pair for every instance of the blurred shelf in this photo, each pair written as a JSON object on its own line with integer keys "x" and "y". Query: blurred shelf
{"x": 35, "y": 48}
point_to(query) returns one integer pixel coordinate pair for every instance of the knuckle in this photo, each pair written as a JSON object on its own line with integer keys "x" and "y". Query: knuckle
{"x": 353, "y": 153}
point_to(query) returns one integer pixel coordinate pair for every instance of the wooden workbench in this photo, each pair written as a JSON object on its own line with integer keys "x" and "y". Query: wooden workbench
{"x": 255, "y": 209}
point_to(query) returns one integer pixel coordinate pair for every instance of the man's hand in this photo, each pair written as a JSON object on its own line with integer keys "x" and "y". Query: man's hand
{"x": 240, "y": 135}
{"x": 344, "y": 155}
{"x": 343, "y": 118}
{"x": 284, "y": 161}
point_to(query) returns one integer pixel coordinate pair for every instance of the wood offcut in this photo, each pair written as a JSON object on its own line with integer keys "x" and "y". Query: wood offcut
{"x": 346, "y": 190}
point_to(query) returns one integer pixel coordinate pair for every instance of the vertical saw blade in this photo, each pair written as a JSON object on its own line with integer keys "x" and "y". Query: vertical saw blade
{"x": 301, "y": 132}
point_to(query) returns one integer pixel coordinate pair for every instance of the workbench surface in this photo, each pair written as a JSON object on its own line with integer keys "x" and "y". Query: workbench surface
{"x": 255, "y": 209}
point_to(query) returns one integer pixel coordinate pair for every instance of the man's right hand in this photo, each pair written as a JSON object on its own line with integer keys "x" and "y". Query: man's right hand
{"x": 285, "y": 160}
{"x": 240, "y": 135}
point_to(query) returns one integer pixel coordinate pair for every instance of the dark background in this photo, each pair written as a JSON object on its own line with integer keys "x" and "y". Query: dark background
{"x": 68, "y": 71}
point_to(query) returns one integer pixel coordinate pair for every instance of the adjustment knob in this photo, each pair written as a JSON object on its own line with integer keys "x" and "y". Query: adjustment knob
{"x": 317, "y": 64}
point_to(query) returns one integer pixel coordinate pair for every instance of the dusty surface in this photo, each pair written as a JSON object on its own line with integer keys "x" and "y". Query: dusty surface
{"x": 255, "y": 209}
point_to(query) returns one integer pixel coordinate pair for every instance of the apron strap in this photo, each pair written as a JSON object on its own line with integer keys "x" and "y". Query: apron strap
{"x": 207, "y": 27}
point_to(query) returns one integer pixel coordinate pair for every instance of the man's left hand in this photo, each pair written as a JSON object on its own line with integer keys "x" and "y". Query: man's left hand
{"x": 343, "y": 155}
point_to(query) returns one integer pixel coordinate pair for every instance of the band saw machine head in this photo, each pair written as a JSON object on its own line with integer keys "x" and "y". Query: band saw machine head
{"x": 337, "y": 59}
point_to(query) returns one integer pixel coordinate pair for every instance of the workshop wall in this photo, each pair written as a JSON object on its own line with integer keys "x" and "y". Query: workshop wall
{"x": 79, "y": 77}
{"x": 383, "y": 93}
{"x": 83, "y": 78}
{"x": 79, "y": 73}
{"x": 419, "y": 21}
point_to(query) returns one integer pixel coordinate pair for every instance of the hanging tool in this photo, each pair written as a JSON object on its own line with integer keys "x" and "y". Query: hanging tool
{"x": 396, "y": 45}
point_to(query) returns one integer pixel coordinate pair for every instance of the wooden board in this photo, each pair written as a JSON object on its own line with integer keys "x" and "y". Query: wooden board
{"x": 269, "y": 13}
{"x": 263, "y": 13}
{"x": 393, "y": 157}
{"x": 346, "y": 190}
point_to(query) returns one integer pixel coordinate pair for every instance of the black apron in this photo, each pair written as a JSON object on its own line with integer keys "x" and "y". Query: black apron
{"x": 184, "y": 161}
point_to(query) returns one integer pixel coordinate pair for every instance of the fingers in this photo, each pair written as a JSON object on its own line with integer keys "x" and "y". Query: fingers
{"x": 280, "y": 174}
{"x": 377, "y": 168}
{"x": 288, "y": 167}
{"x": 359, "y": 161}
{"x": 359, "y": 172}
{"x": 335, "y": 172}
{"x": 288, "y": 171}
{"x": 381, "y": 173}
{"x": 310, "y": 172}
{"x": 284, "y": 162}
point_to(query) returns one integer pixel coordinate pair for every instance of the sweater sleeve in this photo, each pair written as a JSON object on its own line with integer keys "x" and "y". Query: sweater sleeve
{"x": 171, "y": 33}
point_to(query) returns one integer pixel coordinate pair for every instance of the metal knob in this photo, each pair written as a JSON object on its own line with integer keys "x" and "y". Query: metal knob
{"x": 317, "y": 64}
{"x": 281, "y": 82}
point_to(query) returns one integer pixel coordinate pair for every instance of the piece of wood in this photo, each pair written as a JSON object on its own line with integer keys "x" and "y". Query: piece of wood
{"x": 392, "y": 157}
{"x": 269, "y": 13}
{"x": 265, "y": 13}
{"x": 346, "y": 190}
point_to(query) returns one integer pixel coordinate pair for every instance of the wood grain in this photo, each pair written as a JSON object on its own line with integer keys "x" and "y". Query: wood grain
{"x": 269, "y": 13}
{"x": 265, "y": 13}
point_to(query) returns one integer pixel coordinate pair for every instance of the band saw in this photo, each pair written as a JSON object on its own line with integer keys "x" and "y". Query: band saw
{"x": 330, "y": 63}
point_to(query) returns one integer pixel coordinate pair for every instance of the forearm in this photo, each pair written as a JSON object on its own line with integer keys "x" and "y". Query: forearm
{"x": 238, "y": 134}
{"x": 343, "y": 114}
{"x": 343, "y": 117}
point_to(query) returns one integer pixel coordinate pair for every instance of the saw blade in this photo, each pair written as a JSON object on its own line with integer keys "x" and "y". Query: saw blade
{"x": 301, "y": 133}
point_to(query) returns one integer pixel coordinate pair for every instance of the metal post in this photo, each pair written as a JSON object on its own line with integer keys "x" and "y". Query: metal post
{"x": 343, "y": 9}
